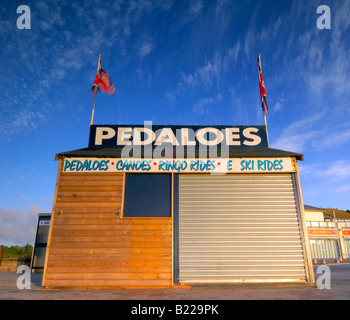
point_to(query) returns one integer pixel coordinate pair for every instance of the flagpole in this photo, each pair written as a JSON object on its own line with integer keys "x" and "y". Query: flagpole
{"x": 93, "y": 106}
{"x": 267, "y": 135}
{"x": 259, "y": 67}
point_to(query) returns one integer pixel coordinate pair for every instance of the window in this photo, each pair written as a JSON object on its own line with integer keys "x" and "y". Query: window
{"x": 147, "y": 195}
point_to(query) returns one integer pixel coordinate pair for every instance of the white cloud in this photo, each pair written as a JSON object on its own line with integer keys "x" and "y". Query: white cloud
{"x": 209, "y": 75}
{"x": 250, "y": 38}
{"x": 338, "y": 171}
{"x": 278, "y": 106}
{"x": 231, "y": 56}
{"x": 325, "y": 183}
{"x": 27, "y": 119}
{"x": 298, "y": 134}
{"x": 309, "y": 170}
{"x": 220, "y": 7}
{"x": 195, "y": 7}
{"x": 189, "y": 15}
{"x": 333, "y": 171}
{"x": 193, "y": 12}
{"x": 18, "y": 227}
{"x": 49, "y": 56}
{"x": 199, "y": 106}
{"x": 294, "y": 142}
{"x": 336, "y": 138}
{"x": 342, "y": 188}
{"x": 146, "y": 48}
{"x": 203, "y": 76}
{"x": 167, "y": 4}
{"x": 48, "y": 17}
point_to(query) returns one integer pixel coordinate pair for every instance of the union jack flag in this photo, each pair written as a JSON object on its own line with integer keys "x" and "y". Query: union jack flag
{"x": 262, "y": 88}
{"x": 103, "y": 82}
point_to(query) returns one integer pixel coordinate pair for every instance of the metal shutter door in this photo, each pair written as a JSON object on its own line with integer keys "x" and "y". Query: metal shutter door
{"x": 239, "y": 228}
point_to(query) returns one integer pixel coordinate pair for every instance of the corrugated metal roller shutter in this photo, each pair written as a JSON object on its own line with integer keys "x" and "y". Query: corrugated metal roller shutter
{"x": 239, "y": 228}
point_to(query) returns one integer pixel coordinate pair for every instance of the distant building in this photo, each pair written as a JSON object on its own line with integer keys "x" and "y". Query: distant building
{"x": 325, "y": 214}
{"x": 329, "y": 233}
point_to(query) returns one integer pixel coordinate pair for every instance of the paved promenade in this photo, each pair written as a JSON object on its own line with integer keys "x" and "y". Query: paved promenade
{"x": 339, "y": 290}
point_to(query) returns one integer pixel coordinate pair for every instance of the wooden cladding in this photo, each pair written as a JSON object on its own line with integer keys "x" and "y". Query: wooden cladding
{"x": 91, "y": 246}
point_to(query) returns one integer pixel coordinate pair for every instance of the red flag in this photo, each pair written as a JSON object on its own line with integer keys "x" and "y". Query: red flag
{"x": 103, "y": 82}
{"x": 262, "y": 88}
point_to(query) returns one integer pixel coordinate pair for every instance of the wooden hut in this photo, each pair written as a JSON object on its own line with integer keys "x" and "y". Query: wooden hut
{"x": 175, "y": 205}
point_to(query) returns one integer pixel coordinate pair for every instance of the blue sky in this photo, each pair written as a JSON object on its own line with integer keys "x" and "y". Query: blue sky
{"x": 172, "y": 62}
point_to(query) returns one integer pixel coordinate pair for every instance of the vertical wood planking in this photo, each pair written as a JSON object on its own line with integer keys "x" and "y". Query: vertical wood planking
{"x": 91, "y": 245}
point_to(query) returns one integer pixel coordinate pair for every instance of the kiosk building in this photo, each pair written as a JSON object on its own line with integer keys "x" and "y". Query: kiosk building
{"x": 173, "y": 205}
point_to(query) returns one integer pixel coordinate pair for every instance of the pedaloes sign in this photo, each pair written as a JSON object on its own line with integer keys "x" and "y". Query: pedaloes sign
{"x": 114, "y": 136}
{"x": 212, "y": 165}
{"x": 191, "y": 138}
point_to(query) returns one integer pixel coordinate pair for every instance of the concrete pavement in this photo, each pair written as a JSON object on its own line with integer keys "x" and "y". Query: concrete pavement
{"x": 339, "y": 290}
